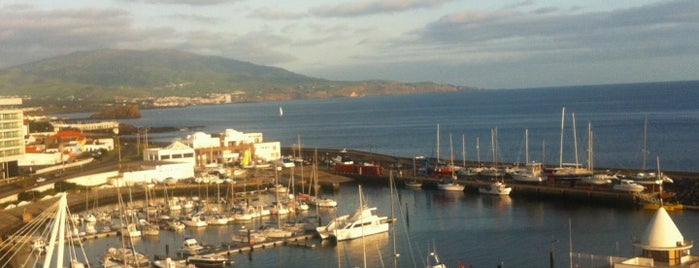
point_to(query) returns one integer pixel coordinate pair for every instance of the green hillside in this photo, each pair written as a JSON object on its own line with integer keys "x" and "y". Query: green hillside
{"x": 103, "y": 75}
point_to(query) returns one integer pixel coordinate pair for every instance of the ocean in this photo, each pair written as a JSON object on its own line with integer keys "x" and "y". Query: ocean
{"x": 467, "y": 228}
{"x": 407, "y": 125}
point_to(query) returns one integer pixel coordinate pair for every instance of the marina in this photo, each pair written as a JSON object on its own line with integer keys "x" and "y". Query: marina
{"x": 421, "y": 220}
{"x": 542, "y": 219}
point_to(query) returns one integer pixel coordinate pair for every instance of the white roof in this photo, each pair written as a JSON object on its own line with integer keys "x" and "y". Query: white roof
{"x": 662, "y": 233}
{"x": 176, "y": 145}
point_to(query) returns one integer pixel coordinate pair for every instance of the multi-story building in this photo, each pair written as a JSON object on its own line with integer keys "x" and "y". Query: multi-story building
{"x": 12, "y": 133}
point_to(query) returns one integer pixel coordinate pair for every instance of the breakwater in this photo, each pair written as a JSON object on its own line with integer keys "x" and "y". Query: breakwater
{"x": 684, "y": 189}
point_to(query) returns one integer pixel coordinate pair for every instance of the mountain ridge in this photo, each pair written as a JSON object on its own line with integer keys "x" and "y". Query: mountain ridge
{"x": 107, "y": 74}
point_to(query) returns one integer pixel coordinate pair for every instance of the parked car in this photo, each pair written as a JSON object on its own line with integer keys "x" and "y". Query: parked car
{"x": 40, "y": 179}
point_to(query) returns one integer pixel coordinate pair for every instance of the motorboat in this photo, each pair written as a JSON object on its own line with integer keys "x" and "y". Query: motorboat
{"x": 194, "y": 221}
{"x": 413, "y": 184}
{"x": 495, "y": 188}
{"x": 248, "y": 236}
{"x": 216, "y": 219}
{"x": 532, "y": 172}
{"x": 209, "y": 261}
{"x": 175, "y": 225}
{"x": 364, "y": 222}
{"x": 190, "y": 246}
{"x": 169, "y": 263}
{"x": 628, "y": 186}
{"x": 125, "y": 257}
{"x": 599, "y": 179}
{"x": 274, "y": 232}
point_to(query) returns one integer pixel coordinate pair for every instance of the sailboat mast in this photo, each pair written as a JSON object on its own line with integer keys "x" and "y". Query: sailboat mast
{"x": 590, "y": 144}
{"x": 575, "y": 140}
{"x": 478, "y": 150}
{"x": 644, "y": 152}
{"x": 451, "y": 151}
{"x": 560, "y": 154}
{"x": 463, "y": 149}
{"x": 437, "y": 145}
{"x": 526, "y": 146}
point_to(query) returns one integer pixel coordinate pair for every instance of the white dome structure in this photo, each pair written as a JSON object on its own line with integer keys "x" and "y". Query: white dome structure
{"x": 663, "y": 245}
{"x": 662, "y": 234}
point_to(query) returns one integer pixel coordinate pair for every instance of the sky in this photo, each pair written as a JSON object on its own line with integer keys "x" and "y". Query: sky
{"x": 479, "y": 43}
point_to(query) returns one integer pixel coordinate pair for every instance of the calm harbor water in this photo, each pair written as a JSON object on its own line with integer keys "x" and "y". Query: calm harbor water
{"x": 464, "y": 227}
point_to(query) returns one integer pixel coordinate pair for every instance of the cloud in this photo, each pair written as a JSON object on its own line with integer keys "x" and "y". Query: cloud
{"x": 183, "y": 2}
{"x": 195, "y": 18}
{"x": 370, "y": 7}
{"x": 258, "y": 47}
{"x": 271, "y": 14}
{"x": 32, "y": 34}
{"x": 653, "y": 30}
{"x": 515, "y": 47}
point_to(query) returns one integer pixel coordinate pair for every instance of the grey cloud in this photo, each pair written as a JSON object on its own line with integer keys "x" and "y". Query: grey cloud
{"x": 34, "y": 34}
{"x": 183, "y": 2}
{"x": 370, "y": 7}
{"x": 648, "y": 31}
{"x": 256, "y": 47}
{"x": 271, "y": 14}
{"x": 196, "y": 18}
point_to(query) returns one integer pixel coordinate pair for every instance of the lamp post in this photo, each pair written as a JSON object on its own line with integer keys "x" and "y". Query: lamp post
{"x": 118, "y": 145}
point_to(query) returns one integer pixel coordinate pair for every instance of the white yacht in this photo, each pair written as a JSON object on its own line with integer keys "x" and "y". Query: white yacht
{"x": 363, "y": 222}
{"x": 628, "y": 186}
{"x": 495, "y": 188}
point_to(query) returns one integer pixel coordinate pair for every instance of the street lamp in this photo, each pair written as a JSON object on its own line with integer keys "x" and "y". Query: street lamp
{"x": 118, "y": 145}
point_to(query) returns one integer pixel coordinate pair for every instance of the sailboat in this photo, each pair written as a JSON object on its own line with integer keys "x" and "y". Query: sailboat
{"x": 596, "y": 178}
{"x": 497, "y": 186}
{"x": 568, "y": 171}
{"x": 532, "y": 171}
{"x": 316, "y": 200}
{"x": 644, "y": 177}
{"x": 281, "y": 111}
{"x": 449, "y": 184}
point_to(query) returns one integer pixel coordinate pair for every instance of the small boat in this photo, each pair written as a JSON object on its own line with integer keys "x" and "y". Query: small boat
{"x": 273, "y": 232}
{"x": 599, "y": 179}
{"x": 495, "y": 188}
{"x": 124, "y": 257}
{"x": 130, "y": 231}
{"x": 628, "y": 186}
{"x": 169, "y": 263}
{"x": 209, "y": 261}
{"x": 433, "y": 260}
{"x": 175, "y": 225}
{"x": 194, "y": 221}
{"x": 532, "y": 172}
{"x": 248, "y": 236}
{"x": 450, "y": 185}
{"x": 38, "y": 244}
{"x": 413, "y": 184}
{"x": 216, "y": 219}
{"x": 190, "y": 246}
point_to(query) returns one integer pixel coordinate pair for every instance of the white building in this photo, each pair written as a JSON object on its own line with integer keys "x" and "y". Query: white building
{"x": 268, "y": 151}
{"x": 232, "y": 137}
{"x": 12, "y": 133}
{"x": 662, "y": 245}
{"x": 175, "y": 152}
{"x": 200, "y": 140}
